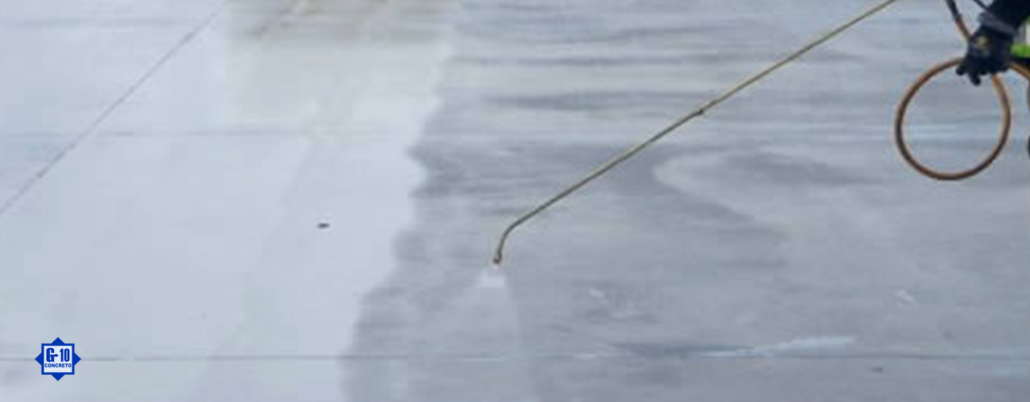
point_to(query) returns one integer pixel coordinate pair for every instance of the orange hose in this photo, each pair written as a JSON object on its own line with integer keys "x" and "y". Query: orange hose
{"x": 899, "y": 126}
{"x": 1003, "y": 99}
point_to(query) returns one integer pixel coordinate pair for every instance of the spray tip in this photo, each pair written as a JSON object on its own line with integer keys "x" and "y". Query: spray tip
{"x": 491, "y": 278}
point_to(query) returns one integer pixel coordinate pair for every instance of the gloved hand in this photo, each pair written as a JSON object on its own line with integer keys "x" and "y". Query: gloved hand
{"x": 988, "y": 53}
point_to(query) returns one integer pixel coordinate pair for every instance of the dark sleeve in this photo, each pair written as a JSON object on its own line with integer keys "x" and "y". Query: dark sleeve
{"x": 1012, "y": 12}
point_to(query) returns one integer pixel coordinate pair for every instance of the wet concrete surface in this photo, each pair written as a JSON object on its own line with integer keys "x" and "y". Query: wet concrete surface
{"x": 776, "y": 249}
{"x": 177, "y": 232}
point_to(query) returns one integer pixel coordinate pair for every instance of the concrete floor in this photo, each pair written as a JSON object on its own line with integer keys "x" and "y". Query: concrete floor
{"x": 273, "y": 200}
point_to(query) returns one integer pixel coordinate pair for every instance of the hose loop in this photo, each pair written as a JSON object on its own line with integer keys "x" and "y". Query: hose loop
{"x": 899, "y": 126}
{"x": 1004, "y": 102}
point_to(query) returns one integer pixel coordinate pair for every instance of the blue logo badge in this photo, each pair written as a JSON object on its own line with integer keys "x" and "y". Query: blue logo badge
{"x": 58, "y": 359}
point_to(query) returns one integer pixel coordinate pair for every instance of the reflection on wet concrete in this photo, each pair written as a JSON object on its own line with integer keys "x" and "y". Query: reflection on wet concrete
{"x": 198, "y": 196}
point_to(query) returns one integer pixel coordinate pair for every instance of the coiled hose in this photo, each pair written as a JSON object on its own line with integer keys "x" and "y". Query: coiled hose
{"x": 1003, "y": 99}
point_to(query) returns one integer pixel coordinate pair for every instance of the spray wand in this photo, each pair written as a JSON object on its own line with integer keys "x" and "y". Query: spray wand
{"x": 899, "y": 134}
{"x": 704, "y": 108}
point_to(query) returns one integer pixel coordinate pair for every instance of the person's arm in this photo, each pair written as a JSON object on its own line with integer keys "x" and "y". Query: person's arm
{"x": 1011, "y": 12}
{"x": 990, "y": 48}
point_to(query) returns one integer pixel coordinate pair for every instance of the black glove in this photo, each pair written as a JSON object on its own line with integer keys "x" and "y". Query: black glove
{"x": 988, "y": 53}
